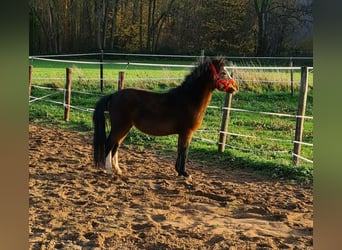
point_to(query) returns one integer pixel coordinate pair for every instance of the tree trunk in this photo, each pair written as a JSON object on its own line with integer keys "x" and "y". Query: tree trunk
{"x": 262, "y": 13}
{"x": 104, "y": 22}
{"x": 141, "y": 26}
{"x": 113, "y": 30}
{"x": 99, "y": 22}
{"x": 149, "y": 25}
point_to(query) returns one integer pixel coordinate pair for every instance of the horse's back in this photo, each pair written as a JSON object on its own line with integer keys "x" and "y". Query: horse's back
{"x": 152, "y": 113}
{"x": 138, "y": 99}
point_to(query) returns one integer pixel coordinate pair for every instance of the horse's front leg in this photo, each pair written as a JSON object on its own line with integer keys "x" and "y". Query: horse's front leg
{"x": 182, "y": 153}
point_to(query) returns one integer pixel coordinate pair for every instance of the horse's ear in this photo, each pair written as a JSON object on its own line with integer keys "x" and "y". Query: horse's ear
{"x": 222, "y": 61}
{"x": 218, "y": 61}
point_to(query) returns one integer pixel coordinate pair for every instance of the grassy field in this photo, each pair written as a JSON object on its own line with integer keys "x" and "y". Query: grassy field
{"x": 259, "y": 91}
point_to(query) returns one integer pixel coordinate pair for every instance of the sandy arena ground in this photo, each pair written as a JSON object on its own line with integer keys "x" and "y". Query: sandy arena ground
{"x": 75, "y": 206}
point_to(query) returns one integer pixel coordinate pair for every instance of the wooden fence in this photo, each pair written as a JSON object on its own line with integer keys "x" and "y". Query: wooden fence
{"x": 223, "y": 138}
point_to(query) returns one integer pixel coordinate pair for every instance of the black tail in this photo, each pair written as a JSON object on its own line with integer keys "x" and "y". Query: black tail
{"x": 99, "y": 122}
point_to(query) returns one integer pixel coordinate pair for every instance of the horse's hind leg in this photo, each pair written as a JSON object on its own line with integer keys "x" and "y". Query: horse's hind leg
{"x": 116, "y": 162}
{"x": 109, "y": 163}
{"x": 110, "y": 151}
{"x": 111, "y": 148}
{"x": 116, "y": 136}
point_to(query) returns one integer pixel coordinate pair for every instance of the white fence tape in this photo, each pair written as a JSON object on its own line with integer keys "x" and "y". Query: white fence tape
{"x": 166, "y": 65}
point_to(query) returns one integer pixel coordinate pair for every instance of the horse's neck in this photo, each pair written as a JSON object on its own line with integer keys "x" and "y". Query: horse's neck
{"x": 200, "y": 105}
{"x": 203, "y": 95}
{"x": 206, "y": 98}
{"x": 198, "y": 94}
{"x": 200, "y": 98}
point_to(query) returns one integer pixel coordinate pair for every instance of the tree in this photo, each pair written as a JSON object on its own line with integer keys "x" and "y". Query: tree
{"x": 262, "y": 9}
{"x": 264, "y": 27}
{"x": 277, "y": 22}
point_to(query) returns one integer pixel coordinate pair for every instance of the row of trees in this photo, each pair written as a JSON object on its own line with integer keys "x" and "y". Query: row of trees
{"x": 240, "y": 27}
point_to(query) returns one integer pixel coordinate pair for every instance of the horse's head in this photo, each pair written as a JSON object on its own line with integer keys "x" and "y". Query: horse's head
{"x": 223, "y": 80}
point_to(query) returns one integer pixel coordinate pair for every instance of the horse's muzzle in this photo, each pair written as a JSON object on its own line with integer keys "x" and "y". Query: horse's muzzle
{"x": 226, "y": 85}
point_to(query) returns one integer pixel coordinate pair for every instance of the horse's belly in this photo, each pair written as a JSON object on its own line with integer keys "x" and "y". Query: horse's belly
{"x": 156, "y": 128}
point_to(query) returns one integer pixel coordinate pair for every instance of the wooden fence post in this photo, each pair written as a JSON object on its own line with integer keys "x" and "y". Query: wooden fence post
{"x": 101, "y": 70}
{"x": 301, "y": 112}
{"x": 202, "y": 55}
{"x": 30, "y": 80}
{"x": 67, "y": 95}
{"x": 225, "y": 122}
{"x": 121, "y": 80}
{"x": 291, "y": 77}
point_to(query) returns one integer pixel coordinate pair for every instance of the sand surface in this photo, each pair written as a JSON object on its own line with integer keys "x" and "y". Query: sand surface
{"x": 75, "y": 206}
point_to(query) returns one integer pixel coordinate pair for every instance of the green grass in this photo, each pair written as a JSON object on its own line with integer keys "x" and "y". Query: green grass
{"x": 266, "y": 156}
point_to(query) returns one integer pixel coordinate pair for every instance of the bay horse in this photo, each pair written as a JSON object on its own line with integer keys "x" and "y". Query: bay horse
{"x": 178, "y": 111}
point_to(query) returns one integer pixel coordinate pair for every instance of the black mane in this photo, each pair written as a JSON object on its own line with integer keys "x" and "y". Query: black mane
{"x": 202, "y": 72}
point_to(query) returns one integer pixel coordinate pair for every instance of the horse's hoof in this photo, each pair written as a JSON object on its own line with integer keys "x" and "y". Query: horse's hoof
{"x": 185, "y": 174}
{"x": 116, "y": 178}
{"x": 118, "y": 171}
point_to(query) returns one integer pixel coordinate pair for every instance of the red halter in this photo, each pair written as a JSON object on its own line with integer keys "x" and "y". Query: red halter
{"x": 223, "y": 85}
